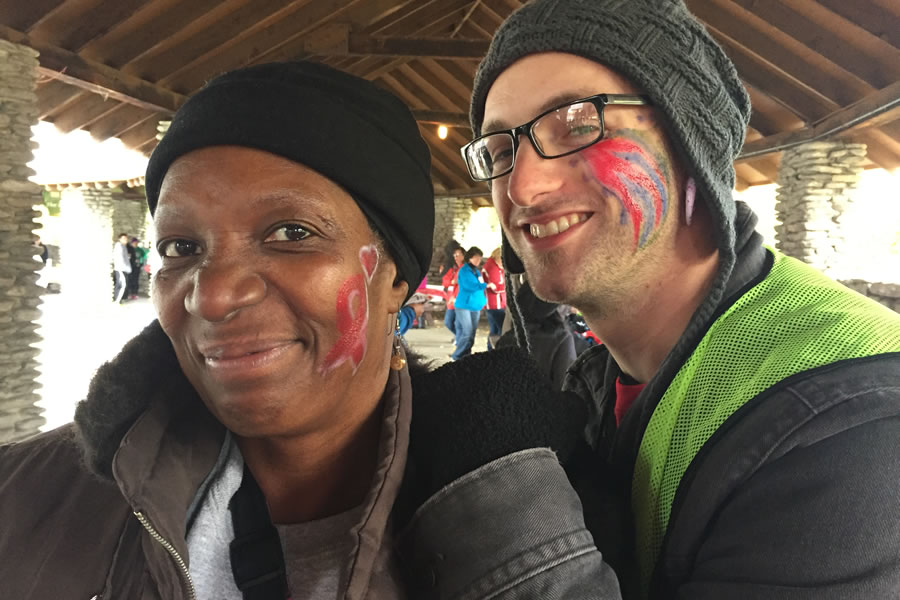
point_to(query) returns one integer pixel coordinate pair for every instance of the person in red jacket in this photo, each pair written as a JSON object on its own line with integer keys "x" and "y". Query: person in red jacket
{"x": 496, "y": 295}
{"x": 450, "y": 290}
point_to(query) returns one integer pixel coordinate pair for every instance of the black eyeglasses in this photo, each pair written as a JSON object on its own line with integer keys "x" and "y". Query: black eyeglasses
{"x": 563, "y": 130}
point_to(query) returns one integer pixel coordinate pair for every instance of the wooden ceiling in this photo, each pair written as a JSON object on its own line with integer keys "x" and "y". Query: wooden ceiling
{"x": 118, "y": 67}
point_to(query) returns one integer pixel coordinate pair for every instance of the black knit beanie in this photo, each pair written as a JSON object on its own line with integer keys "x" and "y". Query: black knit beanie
{"x": 665, "y": 51}
{"x": 345, "y": 128}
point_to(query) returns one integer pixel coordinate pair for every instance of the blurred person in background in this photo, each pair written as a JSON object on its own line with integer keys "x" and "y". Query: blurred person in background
{"x": 495, "y": 278}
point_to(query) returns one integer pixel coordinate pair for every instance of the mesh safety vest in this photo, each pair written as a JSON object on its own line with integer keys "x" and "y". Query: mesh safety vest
{"x": 794, "y": 320}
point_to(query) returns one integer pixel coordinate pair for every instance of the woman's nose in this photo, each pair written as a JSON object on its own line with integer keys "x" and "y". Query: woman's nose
{"x": 532, "y": 176}
{"x": 222, "y": 287}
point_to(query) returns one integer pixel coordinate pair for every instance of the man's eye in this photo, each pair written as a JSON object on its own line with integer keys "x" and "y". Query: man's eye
{"x": 288, "y": 233}
{"x": 178, "y": 248}
{"x": 586, "y": 129}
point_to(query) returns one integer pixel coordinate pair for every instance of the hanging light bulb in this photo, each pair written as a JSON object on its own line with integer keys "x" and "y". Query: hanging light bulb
{"x": 442, "y": 132}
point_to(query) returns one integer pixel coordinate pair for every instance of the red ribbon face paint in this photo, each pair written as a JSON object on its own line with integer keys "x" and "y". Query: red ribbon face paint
{"x": 353, "y": 315}
{"x": 629, "y": 172}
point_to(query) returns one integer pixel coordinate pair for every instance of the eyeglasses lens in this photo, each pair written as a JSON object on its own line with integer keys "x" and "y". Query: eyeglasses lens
{"x": 567, "y": 129}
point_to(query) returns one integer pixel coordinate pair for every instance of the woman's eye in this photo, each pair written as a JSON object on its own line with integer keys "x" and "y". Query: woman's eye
{"x": 178, "y": 248}
{"x": 288, "y": 233}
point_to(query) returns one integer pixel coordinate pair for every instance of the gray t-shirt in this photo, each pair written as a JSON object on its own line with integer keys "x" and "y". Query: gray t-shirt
{"x": 317, "y": 554}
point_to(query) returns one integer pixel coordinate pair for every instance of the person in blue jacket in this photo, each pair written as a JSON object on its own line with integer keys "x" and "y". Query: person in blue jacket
{"x": 469, "y": 302}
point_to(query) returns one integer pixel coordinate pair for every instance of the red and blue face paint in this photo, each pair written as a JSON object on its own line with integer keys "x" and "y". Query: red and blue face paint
{"x": 353, "y": 315}
{"x": 626, "y": 169}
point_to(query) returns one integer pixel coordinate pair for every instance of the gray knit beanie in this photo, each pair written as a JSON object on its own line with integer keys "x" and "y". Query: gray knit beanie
{"x": 665, "y": 51}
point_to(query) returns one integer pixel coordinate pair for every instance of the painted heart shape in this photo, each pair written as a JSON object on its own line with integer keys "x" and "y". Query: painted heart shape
{"x": 368, "y": 257}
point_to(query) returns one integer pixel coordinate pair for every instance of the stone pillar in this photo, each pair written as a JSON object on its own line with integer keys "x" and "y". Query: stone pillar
{"x": 92, "y": 220}
{"x": 816, "y": 183}
{"x": 131, "y": 216}
{"x": 20, "y": 296}
{"x": 451, "y": 218}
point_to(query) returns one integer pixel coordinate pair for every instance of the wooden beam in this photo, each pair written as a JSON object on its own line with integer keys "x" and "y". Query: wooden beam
{"x": 837, "y": 39}
{"x": 68, "y": 67}
{"x": 781, "y": 51}
{"x": 399, "y": 47}
{"x": 437, "y": 117}
{"x": 98, "y": 23}
{"x": 465, "y": 193}
{"x": 801, "y": 100}
{"x": 853, "y": 116}
{"x": 83, "y": 112}
{"x": 53, "y": 96}
{"x": 875, "y": 19}
{"x": 24, "y": 15}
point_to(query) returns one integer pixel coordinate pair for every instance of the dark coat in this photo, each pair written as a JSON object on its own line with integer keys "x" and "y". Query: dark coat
{"x": 77, "y": 504}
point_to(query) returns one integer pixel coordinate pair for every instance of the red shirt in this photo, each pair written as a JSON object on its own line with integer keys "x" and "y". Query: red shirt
{"x": 450, "y": 287}
{"x": 493, "y": 273}
{"x": 625, "y": 395}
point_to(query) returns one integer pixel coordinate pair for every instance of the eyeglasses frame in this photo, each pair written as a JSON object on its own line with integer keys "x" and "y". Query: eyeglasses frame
{"x": 600, "y": 101}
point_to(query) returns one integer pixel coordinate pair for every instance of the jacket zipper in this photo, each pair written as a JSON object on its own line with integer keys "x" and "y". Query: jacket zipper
{"x": 171, "y": 550}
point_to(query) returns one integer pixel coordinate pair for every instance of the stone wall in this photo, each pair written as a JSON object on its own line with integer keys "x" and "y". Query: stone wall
{"x": 130, "y": 215}
{"x": 887, "y": 294}
{"x": 20, "y": 296}
{"x": 92, "y": 219}
{"x": 451, "y": 218}
{"x": 817, "y": 182}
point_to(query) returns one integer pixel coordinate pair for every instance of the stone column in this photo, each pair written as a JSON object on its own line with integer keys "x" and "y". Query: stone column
{"x": 816, "y": 183}
{"x": 86, "y": 246}
{"x": 93, "y": 217}
{"x": 20, "y": 296}
{"x": 451, "y": 218}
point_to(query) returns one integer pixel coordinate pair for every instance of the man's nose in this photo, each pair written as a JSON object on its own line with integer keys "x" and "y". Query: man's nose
{"x": 221, "y": 287}
{"x": 533, "y": 176}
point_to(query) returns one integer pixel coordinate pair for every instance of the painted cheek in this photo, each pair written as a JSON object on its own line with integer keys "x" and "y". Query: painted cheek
{"x": 353, "y": 315}
{"x": 629, "y": 172}
{"x": 352, "y": 324}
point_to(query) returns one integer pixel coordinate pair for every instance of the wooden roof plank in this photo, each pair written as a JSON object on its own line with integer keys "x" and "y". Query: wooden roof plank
{"x": 438, "y": 146}
{"x": 875, "y": 19}
{"x": 88, "y": 108}
{"x": 118, "y": 121}
{"x": 243, "y": 22}
{"x": 817, "y": 27}
{"x": 836, "y": 123}
{"x": 255, "y": 45}
{"x": 55, "y": 96}
{"x": 432, "y": 90}
{"x": 804, "y": 102}
{"x": 452, "y": 82}
{"x": 372, "y": 68}
{"x": 359, "y": 16}
{"x": 98, "y": 22}
{"x": 25, "y": 15}
{"x": 141, "y": 133}
{"x": 364, "y": 45}
{"x": 160, "y": 30}
{"x": 89, "y": 75}
{"x": 781, "y": 50}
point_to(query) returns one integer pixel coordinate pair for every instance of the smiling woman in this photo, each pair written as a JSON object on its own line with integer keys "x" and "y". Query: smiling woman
{"x": 258, "y": 431}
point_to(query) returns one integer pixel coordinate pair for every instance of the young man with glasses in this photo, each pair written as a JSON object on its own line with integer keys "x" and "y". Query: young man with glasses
{"x": 745, "y": 407}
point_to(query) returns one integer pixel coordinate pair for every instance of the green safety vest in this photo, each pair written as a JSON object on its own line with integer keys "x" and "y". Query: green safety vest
{"x": 794, "y": 320}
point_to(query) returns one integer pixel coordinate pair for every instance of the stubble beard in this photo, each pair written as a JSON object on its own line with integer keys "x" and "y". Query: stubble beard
{"x": 593, "y": 284}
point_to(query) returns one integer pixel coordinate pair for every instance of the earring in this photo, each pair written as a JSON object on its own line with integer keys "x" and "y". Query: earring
{"x": 397, "y": 360}
{"x": 690, "y": 192}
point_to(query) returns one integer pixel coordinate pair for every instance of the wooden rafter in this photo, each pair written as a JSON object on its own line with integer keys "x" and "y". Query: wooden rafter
{"x": 878, "y": 105}
{"x": 68, "y": 67}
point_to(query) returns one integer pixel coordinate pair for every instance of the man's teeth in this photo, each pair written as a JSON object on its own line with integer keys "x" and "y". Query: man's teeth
{"x": 557, "y": 226}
